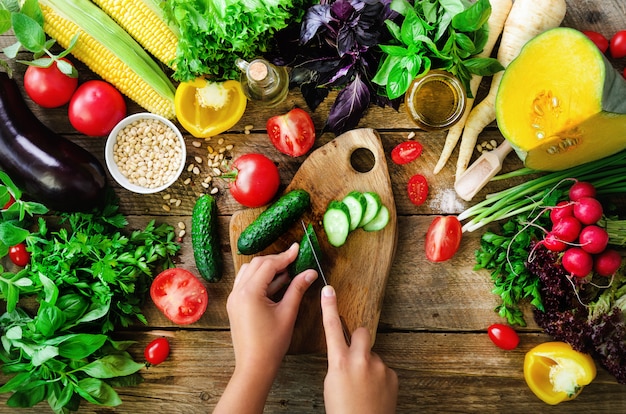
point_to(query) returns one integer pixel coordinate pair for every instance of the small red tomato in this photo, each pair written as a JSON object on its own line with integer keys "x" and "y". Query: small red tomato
{"x": 48, "y": 86}
{"x": 19, "y": 255}
{"x": 417, "y": 189}
{"x": 96, "y": 107}
{"x": 443, "y": 238}
{"x": 293, "y": 133}
{"x": 406, "y": 152}
{"x": 255, "y": 180}
{"x": 617, "y": 45}
{"x": 157, "y": 351}
{"x": 599, "y": 39}
{"x": 503, "y": 336}
{"x": 9, "y": 203}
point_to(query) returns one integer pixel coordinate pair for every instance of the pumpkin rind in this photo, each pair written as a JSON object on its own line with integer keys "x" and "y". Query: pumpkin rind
{"x": 561, "y": 103}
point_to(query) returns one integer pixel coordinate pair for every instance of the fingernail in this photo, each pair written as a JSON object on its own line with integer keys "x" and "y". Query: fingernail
{"x": 328, "y": 291}
{"x": 310, "y": 277}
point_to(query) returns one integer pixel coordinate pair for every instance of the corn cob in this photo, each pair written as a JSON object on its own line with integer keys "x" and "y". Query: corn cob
{"x": 110, "y": 52}
{"x": 143, "y": 20}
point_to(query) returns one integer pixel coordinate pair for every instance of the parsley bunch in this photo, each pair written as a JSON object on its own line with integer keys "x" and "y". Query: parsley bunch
{"x": 506, "y": 255}
{"x": 88, "y": 274}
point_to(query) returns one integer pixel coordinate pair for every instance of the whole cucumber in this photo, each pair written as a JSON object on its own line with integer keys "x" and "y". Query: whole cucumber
{"x": 47, "y": 167}
{"x": 205, "y": 238}
{"x": 273, "y": 222}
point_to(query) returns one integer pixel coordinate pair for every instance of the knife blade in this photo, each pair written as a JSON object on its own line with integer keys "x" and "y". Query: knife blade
{"x": 344, "y": 326}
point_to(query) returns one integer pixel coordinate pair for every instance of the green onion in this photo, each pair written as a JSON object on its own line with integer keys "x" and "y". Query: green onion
{"x": 608, "y": 175}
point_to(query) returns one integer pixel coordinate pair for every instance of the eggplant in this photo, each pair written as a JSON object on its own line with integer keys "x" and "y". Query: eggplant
{"x": 47, "y": 167}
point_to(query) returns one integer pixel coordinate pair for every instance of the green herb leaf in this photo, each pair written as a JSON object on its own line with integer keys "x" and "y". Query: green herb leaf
{"x": 28, "y": 32}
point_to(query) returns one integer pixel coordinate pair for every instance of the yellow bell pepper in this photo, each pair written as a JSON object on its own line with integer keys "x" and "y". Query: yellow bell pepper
{"x": 555, "y": 372}
{"x": 206, "y": 109}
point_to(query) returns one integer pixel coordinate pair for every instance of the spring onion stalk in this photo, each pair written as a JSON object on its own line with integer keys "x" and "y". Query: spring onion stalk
{"x": 608, "y": 175}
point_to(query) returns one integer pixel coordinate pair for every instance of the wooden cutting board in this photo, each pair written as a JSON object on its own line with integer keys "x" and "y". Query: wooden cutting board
{"x": 359, "y": 269}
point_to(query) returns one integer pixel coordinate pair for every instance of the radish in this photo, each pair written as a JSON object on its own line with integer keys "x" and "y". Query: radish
{"x": 593, "y": 239}
{"x": 588, "y": 210}
{"x": 607, "y": 262}
{"x": 553, "y": 243}
{"x": 577, "y": 261}
{"x": 581, "y": 189}
{"x": 567, "y": 229}
{"x": 562, "y": 209}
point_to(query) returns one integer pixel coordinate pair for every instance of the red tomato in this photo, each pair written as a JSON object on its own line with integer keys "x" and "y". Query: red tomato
{"x": 617, "y": 45}
{"x": 9, "y": 203}
{"x": 256, "y": 180}
{"x": 503, "y": 336}
{"x": 417, "y": 189}
{"x": 96, "y": 108}
{"x": 180, "y": 295}
{"x": 599, "y": 39}
{"x": 406, "y": 152}
{"x": 443, "y": 238}
{"x": 19, "y": 255}
{"x": 49, "y": 87}
{"x": 292, "y": 133}
{"x": 157, "y": 351}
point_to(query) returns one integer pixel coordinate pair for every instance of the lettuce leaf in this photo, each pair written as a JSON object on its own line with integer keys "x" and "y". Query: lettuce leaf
{"x": 215, "y": 33}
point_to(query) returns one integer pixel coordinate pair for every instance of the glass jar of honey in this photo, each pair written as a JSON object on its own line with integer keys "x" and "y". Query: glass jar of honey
{"x": 435, "y": 101}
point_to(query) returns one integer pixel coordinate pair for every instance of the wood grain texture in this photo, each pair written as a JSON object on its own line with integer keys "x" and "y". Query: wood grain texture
{"x": 359, "y": 269}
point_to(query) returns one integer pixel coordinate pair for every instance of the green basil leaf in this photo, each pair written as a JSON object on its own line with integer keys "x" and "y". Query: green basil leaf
{"x": 411, "y": 28}
{"x": 114, "y": 365}
{"x": 11, "y": 5}
{"x": 50, "y": 290}
{"x": 11, "y": 234}
{"x": 5, "y": 21}
{"x": 28, "y": 397}
{"x": 382, "y": 76}
{"x": 49, "y": 319}
{"x": 98, "y": 392}
{"x": 399, "y": 80}
{"x": 483, "y": 66}
{"x": 393, "y": 50}
{"x": 28, "y": 32}
{"x": 73, "y": 306}
{"x": 79, "y": 346}
{"x": 44, "y": 353}
{"x": 465, "y": 43}
{"x": 12, "y": 51}
{"x": 31, "y": 9}
{"x": 394, "y": 29}
{"x": 401, "y": 6}
{"x": 59, "y": 400}
{"x": 15, "y": 382}
{"x": 473, "y": 18}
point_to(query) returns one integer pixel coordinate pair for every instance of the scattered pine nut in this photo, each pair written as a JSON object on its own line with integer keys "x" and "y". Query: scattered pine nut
{"x": 196, "y": 144}
{"x": 411, "y": 135}
{"x": 181, "y": 225}
{"x": 214, "y": 190}
{"x": 166, "y": 207}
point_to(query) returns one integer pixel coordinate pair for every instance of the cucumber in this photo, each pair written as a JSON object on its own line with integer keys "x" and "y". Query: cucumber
{"x": 273, "y": 222}
{"x": 306, "y": 258}
{"x": 336, "y": 222}
{"x": 372, "y": 208}
{"x": 380, "y": 221}
{"x": 356, "y": 203}
{"x": 205, "y": 238}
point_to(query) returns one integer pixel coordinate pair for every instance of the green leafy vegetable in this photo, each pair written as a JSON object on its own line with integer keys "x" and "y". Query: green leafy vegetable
{"x": 435, "y": 34}
{"x": 88, "y": 276}
{"x": 214, "y": 33}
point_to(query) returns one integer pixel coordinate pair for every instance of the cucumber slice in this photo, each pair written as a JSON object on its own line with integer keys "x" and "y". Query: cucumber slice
{"x": 356, "y": 203}
{"x": 336, "y": 222}
{"x": 372, "y": 208}
{"x": 380, "y": 221}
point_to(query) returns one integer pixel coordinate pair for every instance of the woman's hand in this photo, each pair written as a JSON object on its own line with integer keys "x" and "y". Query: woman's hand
{"x": 358, "y": 381}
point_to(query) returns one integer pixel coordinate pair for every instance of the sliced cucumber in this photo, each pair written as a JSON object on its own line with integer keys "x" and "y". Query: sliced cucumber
{"x": 380, "y": 221}
{"x": 336, "y": 222}
{"x": 372, "y": 208}
{"x": 356, "y": 203}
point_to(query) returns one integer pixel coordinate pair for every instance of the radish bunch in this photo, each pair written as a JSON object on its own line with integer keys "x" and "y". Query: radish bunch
{"x": 575, "y": 232}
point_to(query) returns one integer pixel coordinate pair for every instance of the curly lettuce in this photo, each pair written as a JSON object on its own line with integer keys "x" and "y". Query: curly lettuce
{"x": 215, "y": 33}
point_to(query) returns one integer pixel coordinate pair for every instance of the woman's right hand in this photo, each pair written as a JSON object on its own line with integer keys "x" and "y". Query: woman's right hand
{"x": 358, "y": 381}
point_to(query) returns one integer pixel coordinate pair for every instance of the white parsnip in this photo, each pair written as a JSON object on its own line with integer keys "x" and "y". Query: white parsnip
{"x": 499, "y": 12}
{"x": 527, "y": 19}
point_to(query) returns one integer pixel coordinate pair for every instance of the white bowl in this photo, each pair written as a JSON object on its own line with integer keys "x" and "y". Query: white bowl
{"x": 133, "y": 184}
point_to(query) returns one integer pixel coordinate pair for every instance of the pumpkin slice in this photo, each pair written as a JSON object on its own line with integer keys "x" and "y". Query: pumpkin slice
{"x": 561, "y": 103}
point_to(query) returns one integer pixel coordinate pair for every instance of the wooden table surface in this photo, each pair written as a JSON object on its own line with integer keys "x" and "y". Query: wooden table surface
{"x": 432, "y": 329}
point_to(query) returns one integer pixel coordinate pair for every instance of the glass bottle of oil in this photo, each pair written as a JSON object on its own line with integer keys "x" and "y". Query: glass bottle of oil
{"x": 435, "y": 101}
{"x": 264, "y": 82}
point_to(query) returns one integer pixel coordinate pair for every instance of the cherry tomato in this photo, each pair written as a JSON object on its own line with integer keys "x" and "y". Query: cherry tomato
{"x": 617, "y": 45}
{"x": 599, "y": 39}
{"x": 256, "y": 180}
{"x": 180, "y": 295}
{"x": 9, "y": 203}
{"x": 96, "y": 108}
{"x": 406, "y": 152}
{"x": 503, "y": 336}
{"x": 49, "y": 87}
{"x": 417, "y": 189}
{"x": 443, "y": 238}
{"x": 19, "y": 255}
{"x": 292, "y": 133}
{"x": 157, "y": 351}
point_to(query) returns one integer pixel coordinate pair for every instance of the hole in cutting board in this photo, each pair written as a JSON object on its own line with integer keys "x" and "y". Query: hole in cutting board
{"x": 362, "y": 160}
